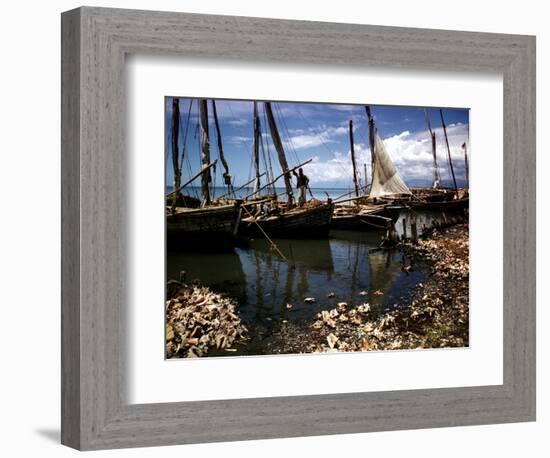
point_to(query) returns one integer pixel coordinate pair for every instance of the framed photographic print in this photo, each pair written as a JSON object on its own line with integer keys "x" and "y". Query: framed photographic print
{"x": 314, "y": 228}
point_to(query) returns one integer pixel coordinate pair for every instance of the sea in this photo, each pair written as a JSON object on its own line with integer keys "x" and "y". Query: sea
{"x": 218, "y": 191}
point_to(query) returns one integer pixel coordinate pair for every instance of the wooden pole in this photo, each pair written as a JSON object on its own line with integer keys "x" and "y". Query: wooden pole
{"x": 241, "y": 187}
{"x": 437, "y": 178}
{"x": 256, "y": 150}
{"x": 226, "y": 175}
{"x": 404, "y": 228}
{"x": 466, "y": 163}
{"x": 272, "y": 243}
{"x": 414, "y": 233}
{"x": 352, "y": 151}
{"x": 448, "y": 150}
{"x": 175, "y": 142}
{"x": 205, "y": 152}
{"x": 281, "y": 175}
{"x": 280, "y": 152}
{"x": 193, "y": 178}
{"x": 371, "y": 141}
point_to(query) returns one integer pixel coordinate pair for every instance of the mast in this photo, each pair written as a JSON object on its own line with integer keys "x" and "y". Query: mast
{"x": 352, "y": 150}
{"x": 371, "y": 141}
{"x": 437, "y": 178}
{"x": 256, "y": 150}
{"x": 175, "y": 143}
{"x": 466, "y": 163}
{"x": 448, "y": 150}
{"x": 205, "y": 152}
{"x": 280, "y": 152}
{"x": 226, "y": 175}
{"x": 366, "y": 179}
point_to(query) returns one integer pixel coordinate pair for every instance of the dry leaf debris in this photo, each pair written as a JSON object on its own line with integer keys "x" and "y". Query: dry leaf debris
{"x": 198, "y": 321}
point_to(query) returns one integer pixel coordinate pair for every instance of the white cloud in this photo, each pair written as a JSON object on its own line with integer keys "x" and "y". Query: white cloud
{"x": 238, "y": 122}
{"x": 410, "y": 152}
{"x": 314, "y": 136}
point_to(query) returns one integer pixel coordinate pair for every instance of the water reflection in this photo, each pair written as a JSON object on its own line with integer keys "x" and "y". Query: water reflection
{"x": 347, "y": 266}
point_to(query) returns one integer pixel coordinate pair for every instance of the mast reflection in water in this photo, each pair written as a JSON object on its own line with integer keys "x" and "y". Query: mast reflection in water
{"x": 346, "y": 266}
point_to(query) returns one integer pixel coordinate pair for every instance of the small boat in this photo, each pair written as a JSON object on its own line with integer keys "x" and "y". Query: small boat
{"x": 282, "y": 219}
{"x": 365, "y": 217}
{"x": 312, "y": 221}
{"x": 190, "y": 220}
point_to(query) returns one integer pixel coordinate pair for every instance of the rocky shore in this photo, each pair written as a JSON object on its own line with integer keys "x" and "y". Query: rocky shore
{"x": 437, "y": 316}
{"x": 200, "y": 322}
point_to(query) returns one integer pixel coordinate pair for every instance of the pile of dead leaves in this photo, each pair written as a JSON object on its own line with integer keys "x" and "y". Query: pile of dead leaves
{"x": 198, "y": 321}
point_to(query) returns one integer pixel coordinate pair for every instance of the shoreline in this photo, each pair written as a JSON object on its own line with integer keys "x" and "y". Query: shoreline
{"x": 436, "y": 317}
{"x": 201, "y": 322}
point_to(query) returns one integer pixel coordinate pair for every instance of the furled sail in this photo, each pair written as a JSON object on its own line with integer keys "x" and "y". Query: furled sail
{"x": 385, "y": 180}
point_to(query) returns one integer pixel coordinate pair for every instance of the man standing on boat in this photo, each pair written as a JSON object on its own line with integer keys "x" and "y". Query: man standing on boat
{"x": 302, "y": 182}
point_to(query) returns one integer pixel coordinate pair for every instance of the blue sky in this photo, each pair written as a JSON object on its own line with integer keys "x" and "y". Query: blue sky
{"x": 320, "y": 132}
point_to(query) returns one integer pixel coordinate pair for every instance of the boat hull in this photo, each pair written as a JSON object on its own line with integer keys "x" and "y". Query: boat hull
{"x": 313, "y": 222}
{"x": 368, "y": 218}
{"x": 361, "y": 222}
{"x": 202, "y": 227}
{"x": 449, "y": 205}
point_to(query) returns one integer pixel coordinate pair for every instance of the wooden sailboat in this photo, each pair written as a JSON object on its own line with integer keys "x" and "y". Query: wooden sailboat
{"x": 362, "y": 215}
{"x": 442, "y": 199}
{"x": 210, "y": 223}
{"x": 285, "y": 219}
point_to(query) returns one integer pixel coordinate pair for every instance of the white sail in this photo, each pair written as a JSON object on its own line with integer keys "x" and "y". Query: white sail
{"x": 385, "y": 179}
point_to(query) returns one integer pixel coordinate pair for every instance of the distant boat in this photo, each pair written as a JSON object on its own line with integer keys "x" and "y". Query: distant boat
{"x": 388, "y": 187}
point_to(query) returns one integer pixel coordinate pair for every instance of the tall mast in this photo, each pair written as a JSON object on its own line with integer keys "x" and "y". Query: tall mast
{"x": 448, "y": 150}
{"x": 280, "y": 152}
{"x": 175, "y": 143}
{"x": 256, "y": 150}
{"x": 352, "y": 150}
{"x": 366, "y": 179}
{"x": 371, "y": 141}
{"x": 466, "y": 163}
{"x": 226, "y": 175}
{"x": 205, "y": 152}
{"x": 437, "y": 178}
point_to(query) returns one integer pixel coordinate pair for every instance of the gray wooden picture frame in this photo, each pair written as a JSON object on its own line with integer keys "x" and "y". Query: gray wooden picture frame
{"x": 95, "y": 41}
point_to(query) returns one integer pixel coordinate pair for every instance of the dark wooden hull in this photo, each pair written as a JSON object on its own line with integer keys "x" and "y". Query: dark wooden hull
{"x": 449, "y": 205}
{"x": 369, "y": 218}
{"x": 366, "y": 222}
{"x": 207, "y": 226}
{"x": 311, "y": 222}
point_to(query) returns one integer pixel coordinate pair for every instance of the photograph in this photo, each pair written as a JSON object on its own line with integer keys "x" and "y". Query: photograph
{"x": 296, "y": 228}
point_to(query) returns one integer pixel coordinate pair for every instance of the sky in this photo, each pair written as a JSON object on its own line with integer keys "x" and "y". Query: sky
{"x": 321, "y": 132}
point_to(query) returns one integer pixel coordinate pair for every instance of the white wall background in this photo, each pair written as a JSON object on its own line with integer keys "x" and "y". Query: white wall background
{"x": 30, "y": 228}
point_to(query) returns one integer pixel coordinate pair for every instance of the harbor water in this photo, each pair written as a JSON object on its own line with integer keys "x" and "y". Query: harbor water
{"x": 270, "y": 291}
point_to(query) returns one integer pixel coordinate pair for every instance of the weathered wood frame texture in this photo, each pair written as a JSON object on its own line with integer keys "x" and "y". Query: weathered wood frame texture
{"x": 95, "y": 414}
